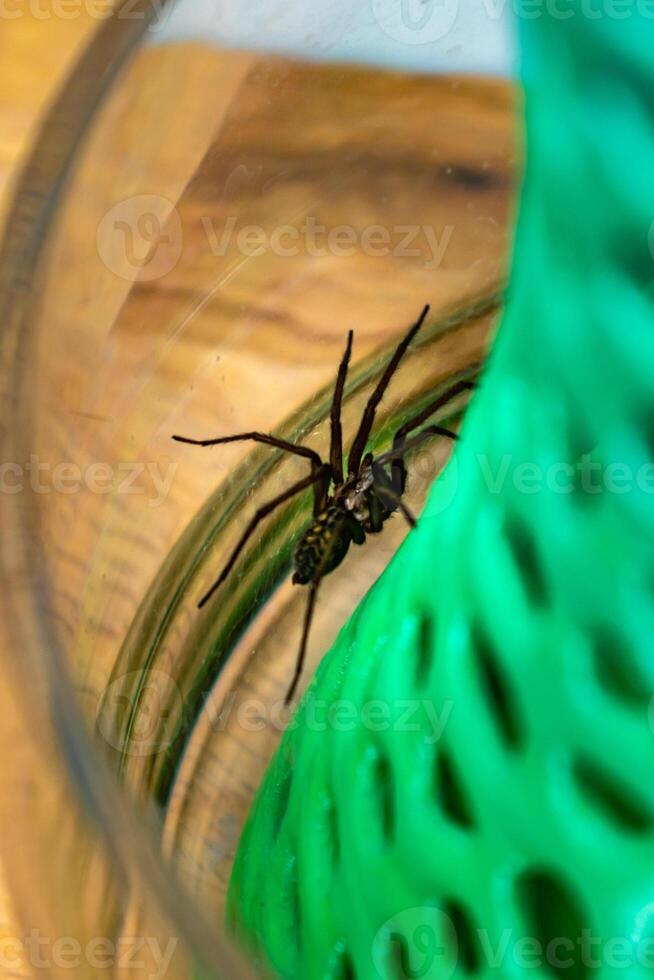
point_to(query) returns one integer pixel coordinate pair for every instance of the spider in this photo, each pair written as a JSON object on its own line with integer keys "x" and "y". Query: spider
{"x": 347, "y": 506}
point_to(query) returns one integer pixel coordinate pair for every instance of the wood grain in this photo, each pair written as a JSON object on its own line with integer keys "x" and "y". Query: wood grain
{"x": 227, "y": 341}
{"x": 223, "y": 342}
{"x": 130, "y": 351}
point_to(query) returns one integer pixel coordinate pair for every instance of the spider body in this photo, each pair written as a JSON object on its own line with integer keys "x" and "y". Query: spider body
{"x": 347, "y": 506}
{"x": 325, "y": 543}
{"x": 352, "y": 512}
{"x": 360, "y": 499}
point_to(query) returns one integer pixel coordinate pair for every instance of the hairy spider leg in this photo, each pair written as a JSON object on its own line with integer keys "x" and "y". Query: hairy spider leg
{"x": 336, "y": 444}
{"x": 395, "y": 456}
{"x": 306, "y": 627}
{"x": 398, "y": 467}
{"x": 393, "y": 489}
{"x": 288, "y": 447}
{"x": 323, "y": 474}
{"x": 388, "y": 495}
{"x": 368, "y": 418}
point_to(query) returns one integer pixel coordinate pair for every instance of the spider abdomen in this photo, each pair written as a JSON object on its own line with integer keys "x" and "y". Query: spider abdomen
{"x": 323, "y": 545}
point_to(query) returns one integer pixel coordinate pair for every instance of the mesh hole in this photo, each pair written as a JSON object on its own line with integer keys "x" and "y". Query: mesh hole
{"x": 347, "y": 969}
{"x": 342, "y": 967}
{"x": 497, "y": 691}
{"x": 425, "y": 648}
{"x": 580, "y": 441}
{"x": 333, "y": 837}
{"x": 589, "y": 488}
{"x": 450, "y": 794}
{"x": 579, "y": 447}
{"x": 527, "y": 560}
{"x": 468, "y": 951}
{"x": 643, "y": 423}
{"x": 615, "y": 668}
{"x": 616, "y": 801}
{"x": 552, "y": 916}
{"x": 378, "y": 792}
{"x": 402, "y": 955}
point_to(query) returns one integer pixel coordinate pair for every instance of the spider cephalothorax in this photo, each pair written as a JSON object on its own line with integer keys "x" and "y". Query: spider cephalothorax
{"x": 359, "y": 499}
{"x": 347, "y": 506}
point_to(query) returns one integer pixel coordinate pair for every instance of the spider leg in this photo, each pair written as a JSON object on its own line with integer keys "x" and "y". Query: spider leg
{"x": 398, "y": 467}
{"x": 321, "y": 489}
{"x": 261, "y": 513}
{"x": 336, "y": 446}
{"x": 389, "y": 496}
{"x": 398, "y": 451}
{"x": 395, "y": 456}
{"x": 368, "y": 418}
{"x": 283, "y": 444}
{"x": 308, "y": 617}
{"x": 288, "y": 447}
{"x": 443, "y": 399}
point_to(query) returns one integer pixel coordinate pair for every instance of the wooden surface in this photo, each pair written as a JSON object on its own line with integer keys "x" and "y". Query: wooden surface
{"x": 222, "y": 342}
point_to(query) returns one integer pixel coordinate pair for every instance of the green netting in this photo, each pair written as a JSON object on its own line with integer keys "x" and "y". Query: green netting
{"x": 506, "y": 825}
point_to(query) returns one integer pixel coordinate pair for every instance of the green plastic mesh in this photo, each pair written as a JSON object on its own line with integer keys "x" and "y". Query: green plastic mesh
{"x": 481, "y": 800}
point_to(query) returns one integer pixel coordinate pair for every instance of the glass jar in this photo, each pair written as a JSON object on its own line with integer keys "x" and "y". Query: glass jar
{"x": 195, "y": 232}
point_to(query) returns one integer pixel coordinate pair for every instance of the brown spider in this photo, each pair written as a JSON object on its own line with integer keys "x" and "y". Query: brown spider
{"x": 345, "y": 508}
